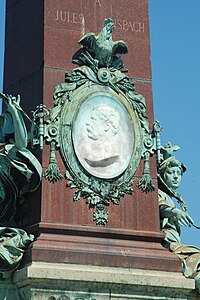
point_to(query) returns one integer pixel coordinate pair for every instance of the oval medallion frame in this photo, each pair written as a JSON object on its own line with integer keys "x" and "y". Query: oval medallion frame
{"x": 70, "y": 113}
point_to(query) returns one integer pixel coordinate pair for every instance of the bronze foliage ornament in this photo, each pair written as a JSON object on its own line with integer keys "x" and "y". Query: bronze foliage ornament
{"x": 100, "y": 126}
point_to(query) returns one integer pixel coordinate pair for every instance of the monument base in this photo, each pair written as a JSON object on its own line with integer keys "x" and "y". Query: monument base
{"x": 109, "y": 247}
{"x": 40, "y": 281}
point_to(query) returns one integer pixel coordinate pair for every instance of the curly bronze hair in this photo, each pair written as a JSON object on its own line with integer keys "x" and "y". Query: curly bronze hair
{"x": 169, "y": 163}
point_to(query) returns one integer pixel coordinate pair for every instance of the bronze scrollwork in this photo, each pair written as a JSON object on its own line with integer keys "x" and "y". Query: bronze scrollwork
{"x": 100, "y": 126}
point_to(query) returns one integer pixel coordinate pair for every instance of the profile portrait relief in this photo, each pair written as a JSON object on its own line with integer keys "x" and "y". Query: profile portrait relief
{"x": 103, "y": 136}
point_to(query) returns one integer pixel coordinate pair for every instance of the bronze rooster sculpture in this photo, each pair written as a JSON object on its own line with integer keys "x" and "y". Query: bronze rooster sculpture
{"x": 101, "y": 49}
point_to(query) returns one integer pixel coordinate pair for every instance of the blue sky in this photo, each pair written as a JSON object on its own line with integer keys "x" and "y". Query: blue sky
{"x": 175, "y": 58}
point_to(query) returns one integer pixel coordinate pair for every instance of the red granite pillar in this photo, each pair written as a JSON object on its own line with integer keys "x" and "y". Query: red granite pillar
{"x": 41, "y": 37}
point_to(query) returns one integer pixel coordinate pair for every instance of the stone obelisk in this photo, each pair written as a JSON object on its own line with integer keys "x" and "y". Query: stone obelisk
{"x": 41, "y": 38}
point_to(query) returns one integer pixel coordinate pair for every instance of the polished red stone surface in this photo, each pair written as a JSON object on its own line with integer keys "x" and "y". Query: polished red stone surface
{"x": 67, "y": 21}
{"x": 133, "y": 212}
{"x": 41, "y": 38}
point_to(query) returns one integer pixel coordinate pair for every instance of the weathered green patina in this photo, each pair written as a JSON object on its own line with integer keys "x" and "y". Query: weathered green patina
{"x": 20, "y": 173}
{"x": 170, "y": 171}
{"x": 100, "y": 126}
